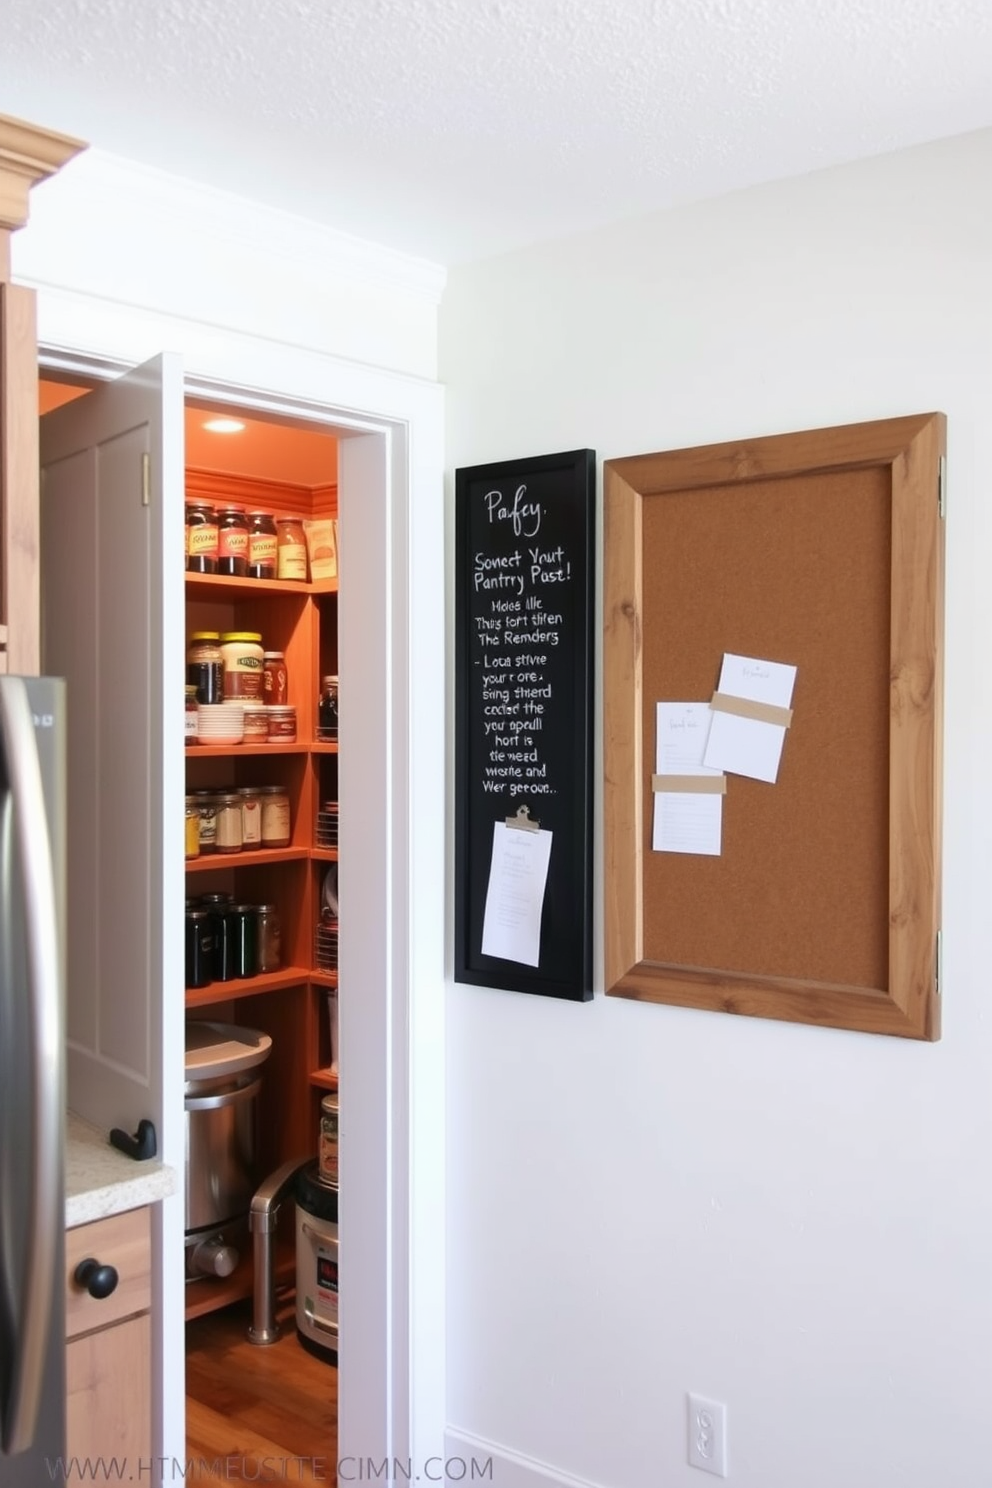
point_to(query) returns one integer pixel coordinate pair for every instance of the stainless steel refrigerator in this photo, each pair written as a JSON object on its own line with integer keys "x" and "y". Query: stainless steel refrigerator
{"x": 32, "y": 1081}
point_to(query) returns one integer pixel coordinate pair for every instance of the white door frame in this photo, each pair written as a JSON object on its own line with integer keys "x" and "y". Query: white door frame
{"x": 392, "y": 649}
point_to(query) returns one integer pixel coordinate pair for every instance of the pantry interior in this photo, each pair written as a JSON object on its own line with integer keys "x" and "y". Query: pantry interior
{"x": 282, "y": 467}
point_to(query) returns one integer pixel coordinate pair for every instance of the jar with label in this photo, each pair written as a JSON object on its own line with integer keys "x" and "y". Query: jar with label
{"x": 263, "y": 545}
{"x": 192, "y": 717}
{"x": 327, "y": 709}
{"x": 201, "y": 538}
{"x": 241, "y": 651}
{"x": 206, "y": 801}
{"x": 269, "y": 937}
{"x": 229, "y": 833}
{"x": 292, "y": 548}
{"x": 327, "y": 1151}
{"x": 205, "y": 666}
{"x": 251, "y": 815}
{"x": 192, "y": 828}
{"x": 275, "y": 679}
{"x": 282, "y": 725}
{"x": 232, "y": 541}
{"x": 256, "y": 722}
{"x": 275, "y": 816}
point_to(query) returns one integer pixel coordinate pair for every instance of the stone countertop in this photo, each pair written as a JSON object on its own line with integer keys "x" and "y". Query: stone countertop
{"x": 99, "y": 1180}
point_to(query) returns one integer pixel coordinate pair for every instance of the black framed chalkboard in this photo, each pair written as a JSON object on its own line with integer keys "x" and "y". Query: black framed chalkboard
{"x": 524, "y": 558}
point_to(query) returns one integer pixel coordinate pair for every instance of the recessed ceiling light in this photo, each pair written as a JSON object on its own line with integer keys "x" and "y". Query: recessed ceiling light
{"x": 224, "y": 425}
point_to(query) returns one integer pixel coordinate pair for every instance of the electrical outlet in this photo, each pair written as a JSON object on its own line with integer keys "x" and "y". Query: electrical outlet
{"x": 707, "y": 1427}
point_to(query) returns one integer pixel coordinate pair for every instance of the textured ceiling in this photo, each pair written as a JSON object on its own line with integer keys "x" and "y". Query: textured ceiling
{"x": 455, "y": 129}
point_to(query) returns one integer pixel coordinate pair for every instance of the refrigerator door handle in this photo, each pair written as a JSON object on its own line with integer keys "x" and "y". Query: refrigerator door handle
{"x": 30, "y": 854}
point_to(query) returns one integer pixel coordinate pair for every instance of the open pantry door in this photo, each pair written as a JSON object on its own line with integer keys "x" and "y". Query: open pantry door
{"x": 111, "y": 485}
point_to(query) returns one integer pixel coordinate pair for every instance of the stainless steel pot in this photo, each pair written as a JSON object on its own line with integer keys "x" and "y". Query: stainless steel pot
{"x": 222, "y": 1083}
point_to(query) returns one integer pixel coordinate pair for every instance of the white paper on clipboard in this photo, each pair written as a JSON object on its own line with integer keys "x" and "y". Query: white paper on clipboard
{"x": 518, "y": 875}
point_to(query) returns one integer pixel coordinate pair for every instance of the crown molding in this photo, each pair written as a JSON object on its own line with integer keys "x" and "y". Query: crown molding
{"x": 28, "y": 154}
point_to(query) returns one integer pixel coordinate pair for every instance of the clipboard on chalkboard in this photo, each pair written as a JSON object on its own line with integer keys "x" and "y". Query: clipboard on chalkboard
{"x": 524, "y": 596}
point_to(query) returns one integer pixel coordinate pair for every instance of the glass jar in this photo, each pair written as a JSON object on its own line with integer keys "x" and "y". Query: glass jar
{"x": 232, "y": 541}
{"x": 192, "y": 828}
{"x": 192, "y": 717}
{"x": 199, "y": 947}
{"x": 205, "y": 666}
{"x": 256, "y": 722}
{"x": 275, "y": 679}
{"x": 327, "y": 709}
{"x": 269, "y": 937}
{"x": 292, "y": 548}
{"x": 327, "y": 1152}
{"x": 241, "y": 651}
{"x": 275, "y": 816}
{"x": 229, "y": 832}
{"x": 242, "y": 927}
{"x": 251, "y": 816}
{"x": 282, "y": 725}
{"x": 201, "y": 538}
{"x": 206, "y": 801}
{"x": 263, "y": 545}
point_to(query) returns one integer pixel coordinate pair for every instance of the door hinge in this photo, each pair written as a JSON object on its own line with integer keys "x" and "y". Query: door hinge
{"x": 146, "y": 479}
{"x": 938, "y": 967}
{"x": 942, "y": 486}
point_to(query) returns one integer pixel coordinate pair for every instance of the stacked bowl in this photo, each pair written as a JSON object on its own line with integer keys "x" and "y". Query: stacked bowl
{"x": 220, "y": 723}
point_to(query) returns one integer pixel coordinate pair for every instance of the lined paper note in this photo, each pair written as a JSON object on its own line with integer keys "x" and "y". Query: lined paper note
{"x": 750, "y": 746}
{"x": 685, "y": 821}
{"x": 518, "y": 873}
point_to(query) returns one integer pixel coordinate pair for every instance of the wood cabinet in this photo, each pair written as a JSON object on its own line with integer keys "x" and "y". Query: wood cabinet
{"x": 290, "y": 1003}
{"x": 108, "y": 1343}
{"x": 27, "y": 155}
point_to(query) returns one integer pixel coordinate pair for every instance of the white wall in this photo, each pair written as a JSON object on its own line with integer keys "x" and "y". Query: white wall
{"x": 645, "y": 1200}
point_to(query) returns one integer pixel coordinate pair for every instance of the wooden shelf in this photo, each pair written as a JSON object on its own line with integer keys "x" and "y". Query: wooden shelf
{"x": 324, "y": 1079}
{"x": 211, "y": 862}
{"x": 322, "y": 746}
{"x": 236, "y": 751}
{"x": 220, "y": 586}
{"x": 324, "y": 854}
{"x": 323, "y": 978}
{"x": 208, "y": 1293}
{"x": 238, "y": 987}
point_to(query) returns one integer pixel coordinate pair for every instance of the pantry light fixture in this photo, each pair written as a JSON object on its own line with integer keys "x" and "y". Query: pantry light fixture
{"x": 224, "y": 425}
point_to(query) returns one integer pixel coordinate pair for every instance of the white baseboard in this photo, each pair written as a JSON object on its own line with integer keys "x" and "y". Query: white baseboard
{"x": 473, "y": 1462}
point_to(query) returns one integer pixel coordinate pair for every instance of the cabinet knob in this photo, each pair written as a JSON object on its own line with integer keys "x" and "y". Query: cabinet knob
{"x": 98, "y": 1280}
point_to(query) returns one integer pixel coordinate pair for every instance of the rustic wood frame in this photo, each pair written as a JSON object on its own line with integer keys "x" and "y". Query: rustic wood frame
{"x": 910, "y": 453}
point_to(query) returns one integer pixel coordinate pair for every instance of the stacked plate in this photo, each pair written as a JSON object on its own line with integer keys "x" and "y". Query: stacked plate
{"x": 220, "y": 723}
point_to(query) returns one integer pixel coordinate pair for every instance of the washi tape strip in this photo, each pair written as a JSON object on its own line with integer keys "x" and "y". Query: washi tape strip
{"x": 725, "y": 702}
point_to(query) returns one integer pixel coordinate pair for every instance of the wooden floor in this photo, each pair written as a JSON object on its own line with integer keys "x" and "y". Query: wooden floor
{"x": 257, "y": 1414}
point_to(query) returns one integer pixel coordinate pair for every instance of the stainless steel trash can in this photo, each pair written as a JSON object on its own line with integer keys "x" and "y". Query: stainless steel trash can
{"x": 222, "y": 1082}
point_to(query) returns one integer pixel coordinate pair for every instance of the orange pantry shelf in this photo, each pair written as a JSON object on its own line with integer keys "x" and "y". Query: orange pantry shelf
{"x": 212, "y": 862}
{"x": 219, "y": 586}
{"x": 238, "y": 987}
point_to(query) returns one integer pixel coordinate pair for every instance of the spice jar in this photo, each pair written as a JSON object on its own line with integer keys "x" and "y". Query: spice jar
{"x": 206, "y": 801}
{"x": 275, "y": 678}
{"x": 192, "y": 717}
{"x": 192, "y": 828}
{"x": 242, "y": 654}
{"x": 201, "y": 538}
{"x": 282, "y": 725}
{"x": 263, "y": 545}
{"x": 205, "y": 666}
{"x": 275, "y": 816}
{"x": 269, "y": 937}
{"x": 292, "y": 548}
{"x": 256, "y": 722}
{"x": 229, "y": 834}
{"x": 327, "y": 709}
{"x": 251, "y": 816}
{"x": 232, "y": 541}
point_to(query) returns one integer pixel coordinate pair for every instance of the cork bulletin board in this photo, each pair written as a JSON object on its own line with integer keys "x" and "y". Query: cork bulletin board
{"x": 823, "y": 550}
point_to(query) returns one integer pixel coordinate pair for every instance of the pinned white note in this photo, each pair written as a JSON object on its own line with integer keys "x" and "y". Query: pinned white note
{"x": 688, "y": 819}
{"x": 518, "y": 874}
{"x": 751, "y": 713}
